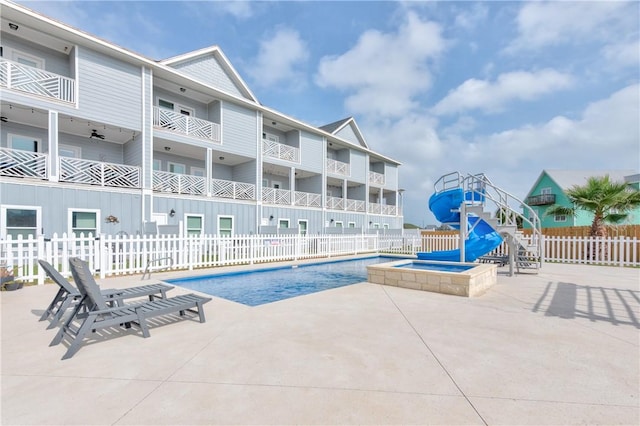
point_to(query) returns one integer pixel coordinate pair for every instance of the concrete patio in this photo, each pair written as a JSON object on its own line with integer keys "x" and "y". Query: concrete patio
{"x": 560, "y": 347}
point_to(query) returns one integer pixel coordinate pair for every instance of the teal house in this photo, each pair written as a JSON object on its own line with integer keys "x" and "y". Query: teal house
{"x": 548, "y": 190}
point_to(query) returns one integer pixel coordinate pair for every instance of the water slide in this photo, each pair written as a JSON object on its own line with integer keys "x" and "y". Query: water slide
{"x": 482, "y": 237}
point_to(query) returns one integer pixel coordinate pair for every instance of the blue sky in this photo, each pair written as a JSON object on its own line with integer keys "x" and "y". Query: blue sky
{"x": 502, "y": 88}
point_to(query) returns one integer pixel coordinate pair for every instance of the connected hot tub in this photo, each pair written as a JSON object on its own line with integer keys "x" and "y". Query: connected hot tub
{"x": 456, "y": 278}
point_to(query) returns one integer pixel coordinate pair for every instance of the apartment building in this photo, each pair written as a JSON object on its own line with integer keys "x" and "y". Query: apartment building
{"x": 96, "y": 138}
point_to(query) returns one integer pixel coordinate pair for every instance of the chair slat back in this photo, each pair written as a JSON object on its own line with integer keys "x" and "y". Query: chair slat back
{"x": 57, "y": 277}
{"x": 86, "y": 283}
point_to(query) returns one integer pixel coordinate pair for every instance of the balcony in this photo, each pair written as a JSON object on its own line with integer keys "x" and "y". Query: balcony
{"x": 280, "y": 151}
{"x": 89, "y": 172}
{"x": 356, "y": 205}
{"x": 177, "y": 183}
{"x": 23, "y": 164}
{"x": 376, "y": 208}
{"x": 171, "y": 121}
{"x": 276, "y": 196}
{"x": 376, "y": 178}
{"x": 541, "y": 200}
{"x": 335, "y": 203}
{"x": 307, "y": 199}
{"x": 337, "y": 167}
{"x": 37, "y": 82}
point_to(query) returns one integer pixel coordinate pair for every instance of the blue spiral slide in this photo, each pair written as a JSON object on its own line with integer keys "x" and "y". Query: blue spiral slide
{"x": 482, "y": 237}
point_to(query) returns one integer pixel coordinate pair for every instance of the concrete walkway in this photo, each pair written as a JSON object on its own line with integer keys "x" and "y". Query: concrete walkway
{"x": 560, "y": 347}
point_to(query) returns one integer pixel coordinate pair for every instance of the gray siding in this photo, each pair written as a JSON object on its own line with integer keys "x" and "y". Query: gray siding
{"x": 165, "y": 159}
{"x": 314, "y": 217}
{"x": 349, "y": 135}
{"x": 222, "y": 171}
{"x": 109, "y": 91}
{"x": 201, "y": 110}
{"x": 22, "y": 130}
{"x": 54, "y": 62}
{"x": 357, "y": 192}
{"x": 245, "y": 172}
{"x": 312, "y": 156}
{"x": 55, "y": 201}
{"x": 244, "y": 214}
{"x": 132, "y": 152}
{"x": 390, "y": 176}
{"x": 358, "y": 165}
{"x": 239, "y": 130}
{"x": 284, "y": 180}
{"x": 208, "y": 70}
{"x": 311, "y": 184}
{"x": 94, "y": 149}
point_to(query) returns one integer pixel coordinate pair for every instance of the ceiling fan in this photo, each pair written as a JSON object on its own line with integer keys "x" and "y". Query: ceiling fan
{"x": 96, "y": 135}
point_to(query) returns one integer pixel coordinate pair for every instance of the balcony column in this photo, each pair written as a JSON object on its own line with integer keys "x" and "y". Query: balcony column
{"x": 54, "y": 164}
{"x": 208, "y": 172}
{"x": 292, "y": 184}
{"x": 344, "y": 193}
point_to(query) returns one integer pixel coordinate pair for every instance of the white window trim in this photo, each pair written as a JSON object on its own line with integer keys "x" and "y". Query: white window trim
{"x": 193, "y": 171}
{"x": 560, "y": 218}
{"x": 11, "y": 136}
{"x": 545, "y": 191}
{"x": 187, "y": 215}
{"x": 226, "y": 216}
{"x": 351, "y": 223}
{"x": 70, "y": 212}
{"x": 158, "y": 162}
{"x": 16, "y": 54}
{"x": 265, "y": 183}
{"x": 170, "y": 163}
{"x": 159, "y": 218}
{"x": 284, "y": 220}
{"x": 306, "y": 229}
{"x": 77, "y": 151}
{"x": 270, "y": 137}
{"x": 385, "y": 226}
{"x": 376, "y": 226}
{"x": 3, "y": 218}
{"x": 338, "y": 222}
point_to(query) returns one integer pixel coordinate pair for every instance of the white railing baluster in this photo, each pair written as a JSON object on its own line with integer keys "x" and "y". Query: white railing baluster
{"x": 100, "y": 173}
{"x": 17, "y": 163}
{"x": 36, "y": 81}
{"x": 180, "y": 123}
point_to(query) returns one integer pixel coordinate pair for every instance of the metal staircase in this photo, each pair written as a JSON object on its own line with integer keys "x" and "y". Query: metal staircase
{"x": 524, "y": 250}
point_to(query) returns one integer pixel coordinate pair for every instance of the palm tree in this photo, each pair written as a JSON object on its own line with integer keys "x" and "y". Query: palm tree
{"x": 610, "y": 202}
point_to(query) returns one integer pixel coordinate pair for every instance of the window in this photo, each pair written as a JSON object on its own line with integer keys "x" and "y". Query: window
{"x": 283, "y": 223}
{"x": 376, "y": 226}
{"x": 351, "y": 225}
{"x": 197, "y": 171}
{"x": 269, "y": 137}
{"x": 28, "y": 60}
{"x": 177, "y": 168}
{"x": 265, "y": 183}
{"x": 275, "y": 184}
{"x": 302, "y": 226}
{"x": 165, "y": 104}
{"x": 24, "y": 143}
{"x": 560, "y": 218}
{"x": 193, "y": 224}
{"x": 84, "y": 221}
{"x": 385, "y": 225}
{"x": 157, "y": 165}
{"x": 70, "y": 151}
{"x": 20, "y": 220}
{"x": 338, "y": 224}
{"x": 545, "y": 191}
{"x": 225, "y": 225}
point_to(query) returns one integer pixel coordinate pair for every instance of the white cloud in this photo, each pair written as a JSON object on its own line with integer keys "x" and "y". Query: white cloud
{"x": 240, "y": 9}
{"x": 469, "y": 18}
{"x": 385, "y": 71}
{"x": 278, "y": 59}
{"x": 494, "y": 96}
{"x": 542, "y": 24}
{"x": 622, "y": 54}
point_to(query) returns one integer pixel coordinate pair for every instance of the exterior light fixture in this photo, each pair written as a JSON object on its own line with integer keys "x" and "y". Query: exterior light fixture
{"x": 172, "y": 213}
{"x": 167, "y": 148}
{"x": 182, "y": 89}
{"x": 13, "y": 26}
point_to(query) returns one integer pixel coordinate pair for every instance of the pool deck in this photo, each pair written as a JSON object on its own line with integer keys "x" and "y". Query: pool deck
{"x": 560, "y": 347}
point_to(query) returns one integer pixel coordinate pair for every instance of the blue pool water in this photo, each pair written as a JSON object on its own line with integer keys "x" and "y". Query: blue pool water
{"x": 435, "y": 267}
{"x": 269, "y": 285}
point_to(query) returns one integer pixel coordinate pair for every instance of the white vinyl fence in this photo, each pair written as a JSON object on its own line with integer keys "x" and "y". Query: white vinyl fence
{"x": 119, "y": 255}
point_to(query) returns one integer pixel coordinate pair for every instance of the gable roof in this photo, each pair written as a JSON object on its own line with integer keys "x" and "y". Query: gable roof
{"x": 217, "y": 53}
{"x": 338, "y": 126}
{"x": 565, "y": 179}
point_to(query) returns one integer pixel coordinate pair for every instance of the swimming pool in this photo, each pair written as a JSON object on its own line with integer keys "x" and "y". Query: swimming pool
{"x": 262, "y": 286}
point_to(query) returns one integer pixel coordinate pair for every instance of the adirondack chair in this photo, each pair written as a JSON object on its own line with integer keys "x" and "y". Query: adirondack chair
{"x": 67, "y": 296}
{"x": 98, "y": 314}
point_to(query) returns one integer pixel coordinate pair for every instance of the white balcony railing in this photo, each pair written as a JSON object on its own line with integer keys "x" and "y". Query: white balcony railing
{"x": 179, "y": 183}
{"x": 276, "y": 196}
{"x": 184, "y": 124}
{"x": 375, "y": 208}
{"x": 236, "y": 190}
{"x": 356, "y": 205}
{"x": 390, "y": 210}
{"x": 376, "y": 178}
{"x": 36, "y": 81}
{"x": 335, "y": 203}
{"x": 89, "y": 172}
{"x": 280, "y": 151}
{"x": 17, "y": 163}
{"x": 337, "y": 167}
{"x": 308, "y": 199}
